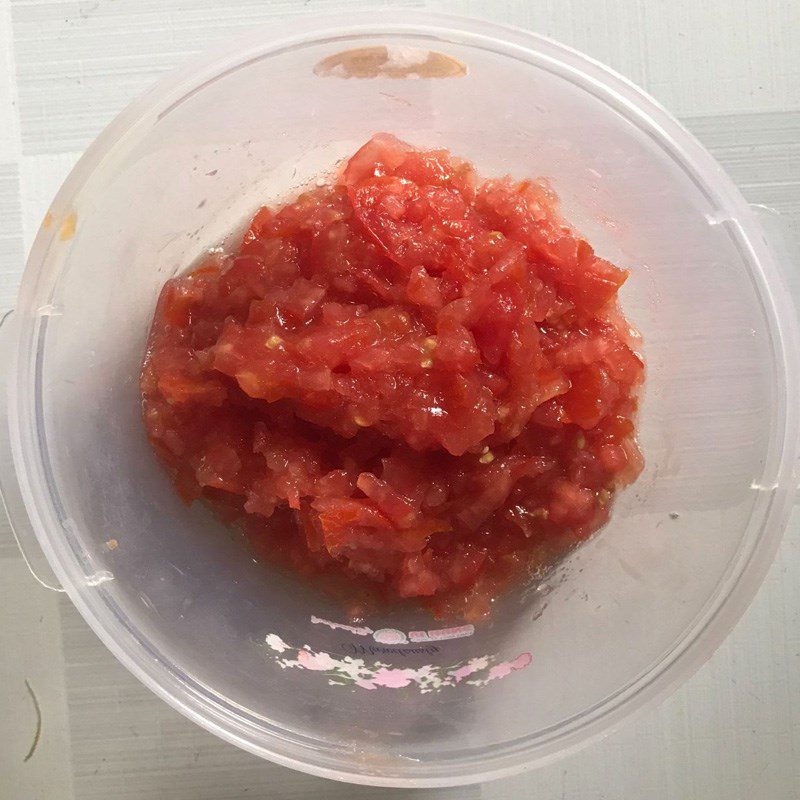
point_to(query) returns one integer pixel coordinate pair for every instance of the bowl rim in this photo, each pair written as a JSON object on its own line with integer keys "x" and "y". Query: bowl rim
{"x": 193, "y": 700}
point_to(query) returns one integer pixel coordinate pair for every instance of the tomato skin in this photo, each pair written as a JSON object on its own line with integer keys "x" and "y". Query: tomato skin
{"x": 382, "y": 154}
{"x": 411, "y": 381}
{"x": 591, "y": 396}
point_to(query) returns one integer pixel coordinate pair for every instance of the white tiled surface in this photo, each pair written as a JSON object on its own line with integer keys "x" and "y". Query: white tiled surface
{"x": 730, "y": 69}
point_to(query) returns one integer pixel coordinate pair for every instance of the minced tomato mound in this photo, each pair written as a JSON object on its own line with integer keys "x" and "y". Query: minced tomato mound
{"x": 411, "y": 378}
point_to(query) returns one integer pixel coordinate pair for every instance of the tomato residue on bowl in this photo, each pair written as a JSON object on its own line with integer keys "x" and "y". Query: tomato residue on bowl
{"x": 412, "y": 378}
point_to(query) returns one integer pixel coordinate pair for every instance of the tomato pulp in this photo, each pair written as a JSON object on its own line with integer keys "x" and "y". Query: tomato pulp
{"x": 409, "y": 377}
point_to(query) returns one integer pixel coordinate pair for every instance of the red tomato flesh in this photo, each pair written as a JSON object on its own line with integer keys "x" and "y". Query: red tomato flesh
{"x": 411, "y": 378}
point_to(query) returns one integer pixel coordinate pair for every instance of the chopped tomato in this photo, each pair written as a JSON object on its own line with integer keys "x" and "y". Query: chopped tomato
{"x": 411, "y": 379}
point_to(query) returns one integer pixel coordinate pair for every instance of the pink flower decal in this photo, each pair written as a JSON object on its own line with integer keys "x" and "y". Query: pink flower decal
{"x": 276, "y": 643}
{"x": 505, "y": 668}
{"x": 472, "y": 666}
{"x": 348, "y": 671}
{"x": 394, "y": 678}
{"x": 318, "y": 662}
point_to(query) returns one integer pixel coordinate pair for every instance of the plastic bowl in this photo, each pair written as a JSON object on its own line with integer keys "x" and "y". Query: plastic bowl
{"x": 264, "y": 661}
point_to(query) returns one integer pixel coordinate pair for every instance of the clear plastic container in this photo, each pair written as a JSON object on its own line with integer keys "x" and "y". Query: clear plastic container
{"x": 262, "y": 660}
